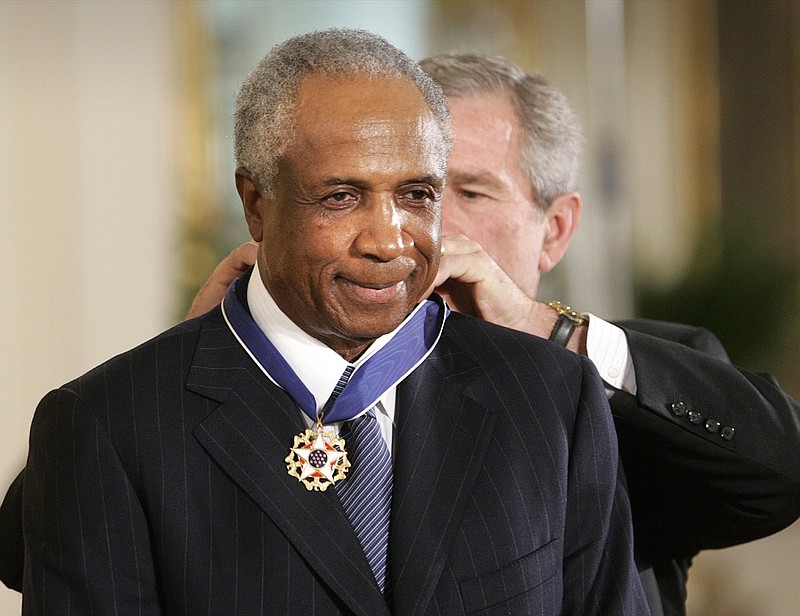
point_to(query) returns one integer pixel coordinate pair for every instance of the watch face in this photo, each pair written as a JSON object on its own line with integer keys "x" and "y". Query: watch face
{"x": 568, "y": 312}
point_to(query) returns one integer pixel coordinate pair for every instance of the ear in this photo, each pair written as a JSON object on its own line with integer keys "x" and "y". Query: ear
{"x": 252, "y": 202}
{"x": 563, "y": 217}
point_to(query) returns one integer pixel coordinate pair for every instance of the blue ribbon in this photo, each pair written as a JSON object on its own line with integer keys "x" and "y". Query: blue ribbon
{"x": 410, "y": 345}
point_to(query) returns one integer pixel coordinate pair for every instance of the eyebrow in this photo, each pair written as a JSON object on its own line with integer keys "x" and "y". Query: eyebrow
{"x": 481, "y": 179}
{"x": 433, "y": 180}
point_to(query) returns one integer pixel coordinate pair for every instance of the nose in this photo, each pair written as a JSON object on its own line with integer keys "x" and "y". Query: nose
{"x": 381, "y": 235}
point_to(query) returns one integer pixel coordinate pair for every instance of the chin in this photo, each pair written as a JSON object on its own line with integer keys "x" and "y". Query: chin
{"x": 374, "y": 326}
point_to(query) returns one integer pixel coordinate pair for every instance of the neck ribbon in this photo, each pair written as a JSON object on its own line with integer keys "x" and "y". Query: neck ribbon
{"x": 363, "y": 385}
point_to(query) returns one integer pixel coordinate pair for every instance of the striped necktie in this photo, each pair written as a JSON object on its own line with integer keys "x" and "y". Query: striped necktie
{"x": 366, "y": 492}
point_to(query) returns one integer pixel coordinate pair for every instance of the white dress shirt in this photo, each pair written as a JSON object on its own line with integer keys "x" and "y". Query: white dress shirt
{"x": 607, "y": 347}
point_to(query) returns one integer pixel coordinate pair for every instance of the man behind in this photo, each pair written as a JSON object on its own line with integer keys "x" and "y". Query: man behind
{"x": 711, "y": 452}
{"x": 157, "y": 483}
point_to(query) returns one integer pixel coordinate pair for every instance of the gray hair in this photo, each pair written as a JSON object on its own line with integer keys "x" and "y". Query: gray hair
{"x": 552, "y": 138}
{"x": 263, "y": 118}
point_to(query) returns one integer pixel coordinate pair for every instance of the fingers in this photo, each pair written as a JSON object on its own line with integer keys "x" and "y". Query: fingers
{"x": 230, "y": 268}
{"x": 234, "y": 265}
{"x": 473, "y": 283}
{"x": 465, "y": 273}
{"x": 463, "y": 260}
{"x": 242, "y": 257}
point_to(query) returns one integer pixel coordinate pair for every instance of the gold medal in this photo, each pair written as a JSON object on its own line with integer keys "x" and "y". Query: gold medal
{"x": 317, "y": 458}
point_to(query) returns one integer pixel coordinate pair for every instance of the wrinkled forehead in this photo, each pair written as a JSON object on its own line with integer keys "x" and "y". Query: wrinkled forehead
{"x": 384, "y": 115}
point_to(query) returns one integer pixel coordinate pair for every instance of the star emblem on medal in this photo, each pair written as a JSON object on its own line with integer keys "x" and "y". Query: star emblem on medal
{"x": 317, "y": 459}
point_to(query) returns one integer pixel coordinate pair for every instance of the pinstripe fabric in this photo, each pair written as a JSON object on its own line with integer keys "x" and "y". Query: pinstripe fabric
{"x": 531, "y": 519}
{"x": 366, "y": 492}
{"x": 156, "y": 485}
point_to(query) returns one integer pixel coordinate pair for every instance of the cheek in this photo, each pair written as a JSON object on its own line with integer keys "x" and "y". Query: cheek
{"x": 293, "y": 253}
{"x": 454, "y": 218}
{"x": 305, "y": 238}
{"x": 514, "y": 246}
{"x": 425, "y": 233}
{"x": 477, "y": 218}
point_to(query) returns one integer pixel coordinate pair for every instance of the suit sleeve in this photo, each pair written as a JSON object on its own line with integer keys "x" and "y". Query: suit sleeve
{"x": 11, "y": 547}
{"x": 711, "y": 451}
{"x": 598, "y": 554}
{"x": 87, "y": 548}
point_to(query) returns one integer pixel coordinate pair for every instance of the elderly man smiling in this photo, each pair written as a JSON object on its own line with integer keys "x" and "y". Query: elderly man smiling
{"x": 326, "y": 442}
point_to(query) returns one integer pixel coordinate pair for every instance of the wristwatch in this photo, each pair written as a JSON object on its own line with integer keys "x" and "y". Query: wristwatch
{"x": 568, "y": 320}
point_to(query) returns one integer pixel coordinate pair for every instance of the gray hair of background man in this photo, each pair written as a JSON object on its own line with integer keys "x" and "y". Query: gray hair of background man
{"x": 552, "y": 136}
{"x": 263, "y": 118}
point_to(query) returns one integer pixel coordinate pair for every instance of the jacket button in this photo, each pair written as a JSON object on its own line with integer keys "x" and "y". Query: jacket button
{"x": 727, "y": 433}
{"x": 712, "y": 425}
{"x": 678, "y": 408}
{"x": 695, "y": 417}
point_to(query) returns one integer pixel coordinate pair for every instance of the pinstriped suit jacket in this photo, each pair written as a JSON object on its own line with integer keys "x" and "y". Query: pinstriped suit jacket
{"x": 156, "y": 484}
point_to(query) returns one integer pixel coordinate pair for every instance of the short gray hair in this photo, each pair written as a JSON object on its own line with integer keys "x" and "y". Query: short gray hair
{"x": 553, "y": 140}
{"x": 263, "y": 117}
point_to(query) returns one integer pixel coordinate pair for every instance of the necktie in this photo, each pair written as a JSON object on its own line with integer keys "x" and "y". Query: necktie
{"x": 366, "y": 492}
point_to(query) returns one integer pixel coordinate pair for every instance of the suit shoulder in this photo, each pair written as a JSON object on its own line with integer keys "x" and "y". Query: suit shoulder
{"x": 491, "y": 343}
{"x": 523, "y": 375}
{"x": 171, "y": 347}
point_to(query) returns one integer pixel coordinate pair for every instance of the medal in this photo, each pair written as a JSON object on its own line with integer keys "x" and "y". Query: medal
{"x": 317, "y": 458}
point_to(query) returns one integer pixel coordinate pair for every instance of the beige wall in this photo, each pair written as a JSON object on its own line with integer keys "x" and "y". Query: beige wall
{"x": 87, "y": 203}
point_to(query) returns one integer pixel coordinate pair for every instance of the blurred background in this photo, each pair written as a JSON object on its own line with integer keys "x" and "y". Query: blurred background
{"x": 117, "y": 194}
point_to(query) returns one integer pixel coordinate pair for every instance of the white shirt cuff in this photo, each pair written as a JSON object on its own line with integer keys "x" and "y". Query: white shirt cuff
{"x": 607, "y": 347}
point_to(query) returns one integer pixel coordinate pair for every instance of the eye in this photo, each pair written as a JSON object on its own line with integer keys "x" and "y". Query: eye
{"x": 417, "y": 196}
{"x": 340, "y": 199}
{"x": 469, "y": 195}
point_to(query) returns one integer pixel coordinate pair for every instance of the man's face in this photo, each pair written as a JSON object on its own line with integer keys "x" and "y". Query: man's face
{"x": 488, "y": 198}
{"x": 350, "y": 242}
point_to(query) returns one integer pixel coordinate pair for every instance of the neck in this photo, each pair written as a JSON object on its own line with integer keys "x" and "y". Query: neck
{"x": 350, "y": 350}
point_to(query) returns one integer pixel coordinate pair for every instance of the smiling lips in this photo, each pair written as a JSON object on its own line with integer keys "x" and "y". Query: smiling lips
{"x": 379, "y": 292}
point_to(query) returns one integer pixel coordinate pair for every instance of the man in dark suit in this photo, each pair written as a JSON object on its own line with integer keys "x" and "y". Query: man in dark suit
{"x": 711, "y": 451}
{"x": 157, "y": 482}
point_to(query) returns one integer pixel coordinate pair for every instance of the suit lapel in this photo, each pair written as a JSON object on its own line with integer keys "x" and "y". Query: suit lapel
{"x": 249, "y": 436}
{"x": 441, "y": 443}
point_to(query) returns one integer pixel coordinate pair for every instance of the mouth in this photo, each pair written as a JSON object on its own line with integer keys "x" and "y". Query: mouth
{"x": 373, "y": 291}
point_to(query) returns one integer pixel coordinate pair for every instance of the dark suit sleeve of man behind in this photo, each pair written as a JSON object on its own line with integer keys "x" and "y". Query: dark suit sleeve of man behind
{"x": 711, "y": 451}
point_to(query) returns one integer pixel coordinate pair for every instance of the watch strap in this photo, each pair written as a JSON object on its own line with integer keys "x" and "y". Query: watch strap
{"x": 563, "y": 329}
{"x": 568, "y": 320}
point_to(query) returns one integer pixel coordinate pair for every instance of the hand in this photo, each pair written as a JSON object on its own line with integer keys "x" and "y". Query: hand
{"x": 473, "y": 283}
{"x": 231, "y": 267}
